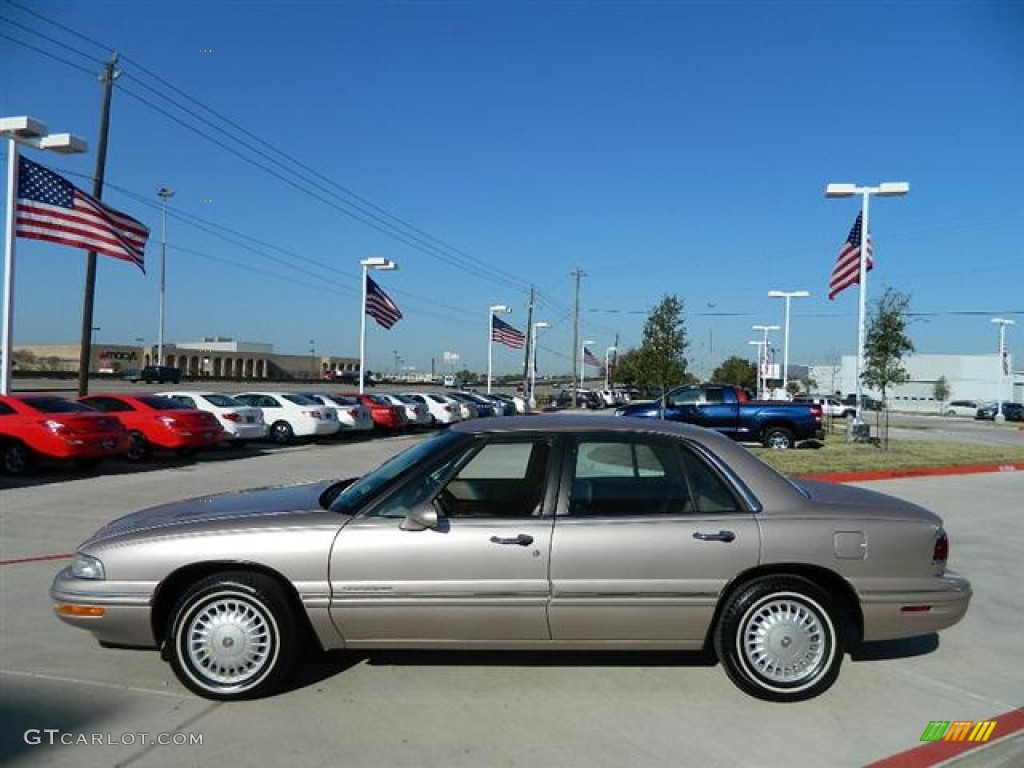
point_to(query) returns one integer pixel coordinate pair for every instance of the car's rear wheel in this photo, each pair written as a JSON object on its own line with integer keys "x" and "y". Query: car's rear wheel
{"x": 779, "y": 639}
{"x": 233, "y": 636}
{"x": 281, "y": 432}
{"x": 778, "y": 437}
{"x": 139, "y": 448}
{"x": 15, "y": 458}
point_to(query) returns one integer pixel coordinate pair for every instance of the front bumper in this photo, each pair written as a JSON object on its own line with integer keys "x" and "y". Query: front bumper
{"x": 116, "y": 613}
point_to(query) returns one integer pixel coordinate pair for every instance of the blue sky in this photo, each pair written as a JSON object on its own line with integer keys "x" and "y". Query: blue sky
{"x": 661, "y": 147}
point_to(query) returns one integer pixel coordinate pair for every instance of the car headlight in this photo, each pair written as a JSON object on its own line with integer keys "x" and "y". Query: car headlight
{"x": 87, "y": 567}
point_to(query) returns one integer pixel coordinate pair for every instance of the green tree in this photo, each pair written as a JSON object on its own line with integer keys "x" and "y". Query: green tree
{"x": 941, "y": 391}
{"x": 625, "y": 371}
{"x": 660, "y": 362}
{"x": 736, "y": 371}
{"x": 886, "y": 346}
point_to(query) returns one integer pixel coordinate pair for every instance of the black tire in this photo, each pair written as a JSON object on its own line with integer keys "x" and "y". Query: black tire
{"x": 233, "y": 636}
{"x": 16, "y": 459}
{"x": 779, "y": 438}
{"x": 780, "y": 638}
{"x": 139, "y": 449}
{"x": 281, "y": 432}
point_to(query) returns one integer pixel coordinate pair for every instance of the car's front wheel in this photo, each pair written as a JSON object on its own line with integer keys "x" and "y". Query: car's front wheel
{"x": 233, "y": 636}
{"x": 281, "y": 432}
{"x": 779, "y": 639}
{"x": 15, "y": 458}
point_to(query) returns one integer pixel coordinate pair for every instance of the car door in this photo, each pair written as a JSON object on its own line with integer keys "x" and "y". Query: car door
{"x": 648, "y": 535}
{"x": 479, "y": 575}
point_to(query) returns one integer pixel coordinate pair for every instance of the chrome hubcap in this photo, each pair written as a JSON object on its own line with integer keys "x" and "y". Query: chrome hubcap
{"x": 783, "y": 640}
{"x": 229, "y": 641}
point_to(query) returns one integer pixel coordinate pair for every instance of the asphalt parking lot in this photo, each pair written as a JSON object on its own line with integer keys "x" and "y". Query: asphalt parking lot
{"x": 474, "y": 709}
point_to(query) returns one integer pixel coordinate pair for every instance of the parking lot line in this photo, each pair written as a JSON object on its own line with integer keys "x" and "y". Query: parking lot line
{"x": 36, "y": 559}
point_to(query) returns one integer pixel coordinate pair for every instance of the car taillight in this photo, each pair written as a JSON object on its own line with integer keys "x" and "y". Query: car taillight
{"x": 353, "y": 412}
{"x": 167, "y": 421}
{"x": 57, "y": 427}
{"x": 232, "y": 416}
{"x": 940, "y": 553}
{"x": 816, "y": 411}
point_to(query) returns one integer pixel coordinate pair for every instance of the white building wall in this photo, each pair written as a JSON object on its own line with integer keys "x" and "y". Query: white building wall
{"x": 969, "y": 377}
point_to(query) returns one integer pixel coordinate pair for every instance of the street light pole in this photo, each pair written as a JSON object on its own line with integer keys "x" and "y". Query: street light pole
{"x": 164, "y": 194}
{"x": 32, "y": 133}
{"x": 787, "y": 295}
{"x": 763, "y": 365}
{"x": 1004, "y": 364}
{"x": 533, "y": 360}
{"x": 885, "y": 189}
{"x": 760, "y": 364}
{"x": 374, "y": 262}
{"x": 496, "y": 309}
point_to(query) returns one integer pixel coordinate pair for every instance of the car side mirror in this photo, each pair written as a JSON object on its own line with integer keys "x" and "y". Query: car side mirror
{"x": 420, "y": 518}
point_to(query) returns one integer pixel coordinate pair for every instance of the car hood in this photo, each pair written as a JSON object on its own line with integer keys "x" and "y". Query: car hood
{"x": 862, "y": 502}
{"x": 233, "y": 505}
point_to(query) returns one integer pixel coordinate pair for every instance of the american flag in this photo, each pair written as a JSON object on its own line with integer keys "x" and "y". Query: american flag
{"x": 503, "y": 333}
{"x": 847, "y": 269}
{"x": 51, "y": 208}
{"x": 379, "y": 305}
{"x": 589, "y": 359}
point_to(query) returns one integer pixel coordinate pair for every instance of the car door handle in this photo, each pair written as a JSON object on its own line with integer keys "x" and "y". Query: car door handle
{"x": 720, "y": 536}
{"x": 523, "y": 540}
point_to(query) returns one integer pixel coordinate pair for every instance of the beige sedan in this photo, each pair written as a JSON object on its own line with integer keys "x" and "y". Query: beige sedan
{"x": 542, "y": 532}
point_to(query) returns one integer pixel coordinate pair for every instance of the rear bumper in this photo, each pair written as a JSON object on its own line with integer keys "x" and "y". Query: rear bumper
{"x": 891, "y": 615}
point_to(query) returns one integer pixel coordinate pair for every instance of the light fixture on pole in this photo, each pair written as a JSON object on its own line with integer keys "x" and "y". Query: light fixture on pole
{"x": 763, "y": 366}
{"x": 500, "y": 309}
{"x": 787, "y": 295}
{"x": 760, "y": 365}
{"x": 32, "y": 133}
{"x": 374, "y": 262}
{"x": 164, "y": 194}
{"x": 607, "y": 364}
{"x": 533, "y": 361}
{"x": 583, "y": 368}
{"x": 885, "y": 189}
{"x": 1004, "y": 363}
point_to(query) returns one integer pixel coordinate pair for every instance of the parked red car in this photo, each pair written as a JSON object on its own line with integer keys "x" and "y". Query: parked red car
{"x": 37, "y": 427}
{"x": 386, "y": 416}
{"x": 159, "y": 422}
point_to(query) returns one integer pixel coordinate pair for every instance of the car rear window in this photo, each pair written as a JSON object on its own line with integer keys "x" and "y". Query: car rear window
{"x": 55, "y": 405}
{"x": 223, "y": 401}
{"x": 158, "y": 403}
{"x": 300, "y": 399}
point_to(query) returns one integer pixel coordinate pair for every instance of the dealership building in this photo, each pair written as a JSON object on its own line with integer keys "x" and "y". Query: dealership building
{"x": 968, "y": 377}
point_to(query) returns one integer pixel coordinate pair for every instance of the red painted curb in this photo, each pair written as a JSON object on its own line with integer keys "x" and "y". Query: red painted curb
{"x": 36, "y": 559}
{"x": 889, "y": 474}
{"x": 937, "y": 752}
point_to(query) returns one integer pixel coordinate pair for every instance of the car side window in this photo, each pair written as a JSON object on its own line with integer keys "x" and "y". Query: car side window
{"x": 635, "y": 476}
{"x": 501, "y": 479}
{"x": 6, "y": 410}
{"x": 188, "y": 402}
{"x": 109, "y": 405}
{"x": 707, "y": 490}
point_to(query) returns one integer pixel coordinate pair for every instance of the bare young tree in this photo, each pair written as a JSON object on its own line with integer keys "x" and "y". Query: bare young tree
{"x": 885, "y": 347}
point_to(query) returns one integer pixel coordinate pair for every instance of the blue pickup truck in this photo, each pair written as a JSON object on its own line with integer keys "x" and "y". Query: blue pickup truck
{"x": 727, "y": 409}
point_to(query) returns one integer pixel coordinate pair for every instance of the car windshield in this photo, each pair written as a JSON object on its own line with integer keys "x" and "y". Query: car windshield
{"x": 223, "y": 401}
{"x": 159, "y": 403}
{"x": 55, "y": 405}
{"x": 349, "y": 501}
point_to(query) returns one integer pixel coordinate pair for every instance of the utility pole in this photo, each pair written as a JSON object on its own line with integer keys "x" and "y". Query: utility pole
{"x": 579, "y": 274}
{"x": 85, "y": 348}
{"x": 529, "y": 342}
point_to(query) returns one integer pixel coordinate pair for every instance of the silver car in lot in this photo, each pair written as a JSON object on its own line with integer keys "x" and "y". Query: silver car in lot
{"x": 547, "y": 532}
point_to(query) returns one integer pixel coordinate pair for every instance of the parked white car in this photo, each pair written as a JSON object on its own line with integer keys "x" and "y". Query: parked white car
{"x": 416, "y": 413}
{"x": 239, "y": 421}
{"x": 963, "y": 407}
{"x": 292, "y": 415}
{"x": 442, "y": 409}
{"x": 353, "y": 416}
{"x": 830, "y": 406}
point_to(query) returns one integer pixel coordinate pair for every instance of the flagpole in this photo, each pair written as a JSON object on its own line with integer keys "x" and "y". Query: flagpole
{"x": 863, "y": 301}
{"x": 362, "y": 331}
{"x": 12, "y": 191}
{"x": 501, "y": 309}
